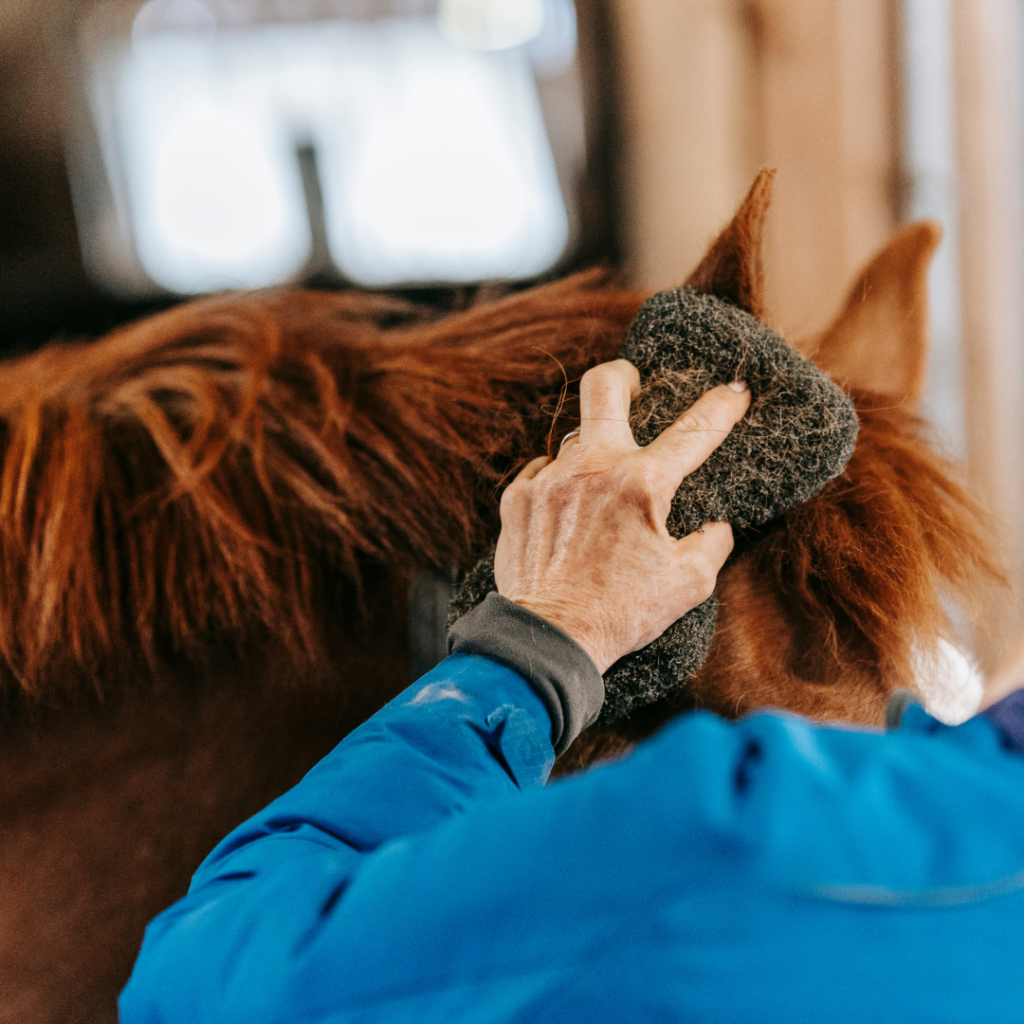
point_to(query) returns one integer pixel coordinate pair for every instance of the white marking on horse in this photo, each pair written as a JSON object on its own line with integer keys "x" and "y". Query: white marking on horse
{"x": 951, "y": 686}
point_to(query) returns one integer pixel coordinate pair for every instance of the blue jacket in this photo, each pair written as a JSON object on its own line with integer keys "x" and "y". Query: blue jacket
{"x": 761, "y": 870}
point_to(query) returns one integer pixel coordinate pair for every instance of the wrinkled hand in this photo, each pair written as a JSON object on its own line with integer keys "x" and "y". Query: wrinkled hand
{"x": 583, "y": 540}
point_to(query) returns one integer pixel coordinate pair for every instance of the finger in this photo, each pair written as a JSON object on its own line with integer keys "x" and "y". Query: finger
{"x": 714, "y": 539}
{"x": 532, "y": 468}
{"x": 684, "y": 446}
{"x": 605, "y": 395}
{"x": 701, "y": 556}
{"x": 570, "y": 440}
{"x": 513, "y": 497}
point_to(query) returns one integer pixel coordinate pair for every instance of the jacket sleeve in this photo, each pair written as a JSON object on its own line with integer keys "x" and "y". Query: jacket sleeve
{"x": 474, "y": 728}
{"x": 716, "y": 850}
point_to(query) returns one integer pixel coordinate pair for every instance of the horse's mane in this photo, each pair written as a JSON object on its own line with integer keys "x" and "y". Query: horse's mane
{"x": 194, "y": 482}
{"x": 880, "y": 557}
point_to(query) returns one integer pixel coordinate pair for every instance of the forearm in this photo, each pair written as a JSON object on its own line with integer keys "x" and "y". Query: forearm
{"x": 468, "y": 732}
{"x": 487, "y": 721}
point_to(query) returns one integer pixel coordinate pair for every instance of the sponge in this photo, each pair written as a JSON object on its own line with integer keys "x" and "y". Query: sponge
{"x": 798, "y": 434}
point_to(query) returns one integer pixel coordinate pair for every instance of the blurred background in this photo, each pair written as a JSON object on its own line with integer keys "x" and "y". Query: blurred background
{"x": 150, "y": 152}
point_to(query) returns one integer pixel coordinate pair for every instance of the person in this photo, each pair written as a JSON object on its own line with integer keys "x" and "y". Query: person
{"x": 768, "y": 869}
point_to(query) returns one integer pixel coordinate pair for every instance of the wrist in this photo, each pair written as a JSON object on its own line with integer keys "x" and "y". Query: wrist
{"x": 558, "y": 669}
{"x": 583, "y": 631}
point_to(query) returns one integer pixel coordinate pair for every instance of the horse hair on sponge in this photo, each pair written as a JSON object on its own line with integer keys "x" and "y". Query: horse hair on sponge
{"x": 798, "y": 434}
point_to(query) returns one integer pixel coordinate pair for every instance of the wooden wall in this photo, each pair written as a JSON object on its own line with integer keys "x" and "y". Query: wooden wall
{"x": 714, "y": 89}
{"x": 687, "y": 130}
{"x": 710, "y": 90}
{"x": 991, "y": 189}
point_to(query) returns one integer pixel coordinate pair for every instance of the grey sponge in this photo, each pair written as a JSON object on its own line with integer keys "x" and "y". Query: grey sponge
{"x": 798, "y": 434}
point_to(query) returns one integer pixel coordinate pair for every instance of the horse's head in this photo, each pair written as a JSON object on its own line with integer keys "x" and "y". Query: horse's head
{"x": 845, "y": 599}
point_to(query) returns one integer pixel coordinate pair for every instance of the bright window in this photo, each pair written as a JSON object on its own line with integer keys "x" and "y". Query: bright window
{"x": 432, "y": 153}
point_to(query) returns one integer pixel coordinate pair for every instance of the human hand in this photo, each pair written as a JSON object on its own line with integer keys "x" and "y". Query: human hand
{"x": 583, "y": 540}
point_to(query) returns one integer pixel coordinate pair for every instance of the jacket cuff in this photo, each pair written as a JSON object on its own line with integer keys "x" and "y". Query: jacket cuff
{"x": 559, "y": 670}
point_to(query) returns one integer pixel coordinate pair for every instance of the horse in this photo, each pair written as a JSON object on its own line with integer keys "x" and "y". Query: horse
{"x": 207, "y": 522}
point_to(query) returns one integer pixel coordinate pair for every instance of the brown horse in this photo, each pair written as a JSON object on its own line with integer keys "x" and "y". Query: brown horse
{"x": 205, "y": 520}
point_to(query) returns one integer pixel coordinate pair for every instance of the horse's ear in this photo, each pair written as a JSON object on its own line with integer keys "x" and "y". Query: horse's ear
{"x": 731, "y": 268}
{"x": 879, "y": 341}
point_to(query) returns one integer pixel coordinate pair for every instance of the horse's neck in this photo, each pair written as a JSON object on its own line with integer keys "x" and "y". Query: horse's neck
{"x": 104, "y": 817}
{"x": 765, "y": 654}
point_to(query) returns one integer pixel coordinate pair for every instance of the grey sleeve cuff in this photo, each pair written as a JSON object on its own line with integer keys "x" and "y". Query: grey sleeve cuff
{"x": 558, "y": 669}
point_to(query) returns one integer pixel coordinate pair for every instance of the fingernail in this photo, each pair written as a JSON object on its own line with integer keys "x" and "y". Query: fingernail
{"x": 739, "y": 385}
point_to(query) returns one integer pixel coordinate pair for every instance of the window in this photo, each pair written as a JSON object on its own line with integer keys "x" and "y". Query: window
{"x": 408, "y": 140}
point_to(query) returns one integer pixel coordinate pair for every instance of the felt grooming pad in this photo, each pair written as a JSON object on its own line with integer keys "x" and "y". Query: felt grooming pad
{"x": 798, "y": 434}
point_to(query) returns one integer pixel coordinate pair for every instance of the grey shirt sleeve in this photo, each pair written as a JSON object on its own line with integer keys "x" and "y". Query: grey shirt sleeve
{"x": 558, "y": 669}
